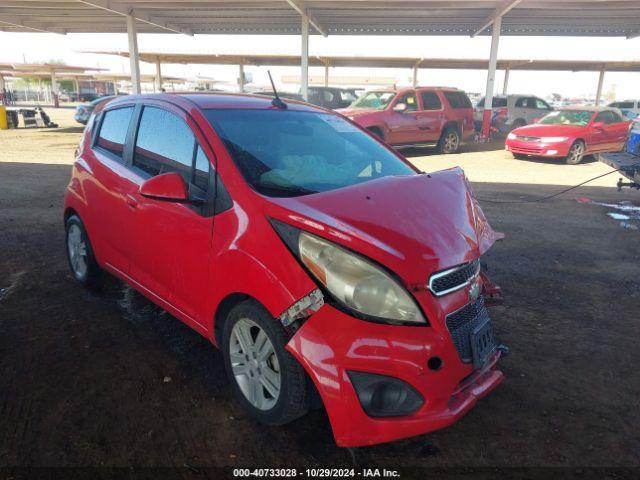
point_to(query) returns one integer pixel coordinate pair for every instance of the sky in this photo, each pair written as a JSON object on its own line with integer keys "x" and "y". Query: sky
{"x": 38, "y": 47}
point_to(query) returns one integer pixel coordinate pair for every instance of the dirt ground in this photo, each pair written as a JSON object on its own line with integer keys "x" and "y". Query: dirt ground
{"x": 109, "y": 380}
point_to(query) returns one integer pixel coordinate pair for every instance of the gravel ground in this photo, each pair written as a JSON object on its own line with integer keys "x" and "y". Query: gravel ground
{"x": 109, "y": 380}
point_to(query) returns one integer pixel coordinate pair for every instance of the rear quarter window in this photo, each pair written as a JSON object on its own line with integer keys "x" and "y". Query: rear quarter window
{"x": 113, "y": 131}
{"x": 457, "y": 99}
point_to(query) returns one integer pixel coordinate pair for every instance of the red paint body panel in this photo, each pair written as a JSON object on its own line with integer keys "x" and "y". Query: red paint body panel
{"x": 603, "y": 138}
{"x": 189, "y": 264}
{"x": 416, "y": 127}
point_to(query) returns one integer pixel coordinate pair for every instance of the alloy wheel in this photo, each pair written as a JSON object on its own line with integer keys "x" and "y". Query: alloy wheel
{"x": 77, "y": 251}
{"x": 255, "y": 364}
{"x": 576, "y": 153}
{"x": 451, "y": 142}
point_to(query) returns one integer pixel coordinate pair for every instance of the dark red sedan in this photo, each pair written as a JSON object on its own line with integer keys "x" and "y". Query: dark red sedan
{"x": 315, "y": 257}
{"x": 571, "y": 133}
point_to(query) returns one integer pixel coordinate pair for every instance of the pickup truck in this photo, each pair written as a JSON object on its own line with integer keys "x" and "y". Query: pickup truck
{"x": 627, "y": 161}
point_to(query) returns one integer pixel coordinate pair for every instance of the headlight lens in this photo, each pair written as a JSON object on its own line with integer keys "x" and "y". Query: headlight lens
{"x": 553, "y": 139}
{"x": 356, "y": 282}
{"x": 511, "y": 136}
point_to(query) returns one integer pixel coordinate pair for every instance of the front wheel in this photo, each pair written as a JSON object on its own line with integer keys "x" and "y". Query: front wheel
{"x": 268, "y": 381}
{"x": 449, "y": 141}
{"x": 576, "y": 153}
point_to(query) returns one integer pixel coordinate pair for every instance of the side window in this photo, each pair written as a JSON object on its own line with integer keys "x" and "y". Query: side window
{"x": 113, "y": 131}
{"x": 430, "y": 101}
{"x": 521, "y": 102}
{"x": 457, "y": 99}
{"x": 164, "y": 144}
{"x": 607, "y": 117}
{"x": 542, "y": 105}
{"x": 202, "y": 170}
{"x": 410, "y": 100}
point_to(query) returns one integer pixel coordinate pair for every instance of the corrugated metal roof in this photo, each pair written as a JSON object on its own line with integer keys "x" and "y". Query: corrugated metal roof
{"x": 334, "y": 17}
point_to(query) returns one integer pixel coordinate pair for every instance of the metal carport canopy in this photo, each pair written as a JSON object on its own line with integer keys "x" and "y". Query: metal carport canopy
{"x": 332, "y": 17}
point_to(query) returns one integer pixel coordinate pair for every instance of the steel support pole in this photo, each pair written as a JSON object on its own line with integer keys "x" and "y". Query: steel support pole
{"x": 158, "y": 75}
{"x": 491, "y": 77}
{"x": 77, "y": 85}
{"x": 241, "y": 78}
{"x": 54, "y": 90}
{"x": 326, "y": 75}
{"x": 600, "y": 85}
{"x": 415, "y": 77}
{"x": 3, "y": 92}
{"x": 505, "y": 85}
{"x": 134, "y": 61}
{"x": 304, "y": 58}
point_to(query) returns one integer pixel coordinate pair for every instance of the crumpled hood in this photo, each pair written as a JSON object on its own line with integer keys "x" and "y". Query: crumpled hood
{"x": 413, "y": 224}
{"x": 537, "y": 130}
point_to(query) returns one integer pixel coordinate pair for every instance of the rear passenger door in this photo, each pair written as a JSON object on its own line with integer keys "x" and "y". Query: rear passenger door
{"x": 170, "y": 241}
{"x": 430, "y": 116}
{"x": 107, "y": 188}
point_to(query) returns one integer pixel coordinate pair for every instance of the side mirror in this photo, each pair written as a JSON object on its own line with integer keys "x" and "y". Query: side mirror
{"x": 598, "y": 124}
{"x": 400, "y": 107}
{"x": 169, "y": 187}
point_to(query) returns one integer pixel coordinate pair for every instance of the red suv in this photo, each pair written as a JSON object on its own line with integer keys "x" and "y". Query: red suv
{"x": 314, "y": 256}
{"x": 417, "y": 117}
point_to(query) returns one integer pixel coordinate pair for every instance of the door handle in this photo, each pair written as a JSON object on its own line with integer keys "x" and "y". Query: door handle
{"x": 131, "y": 201}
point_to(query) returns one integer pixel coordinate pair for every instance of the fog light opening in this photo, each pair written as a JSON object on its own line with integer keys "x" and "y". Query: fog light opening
{"x": 434, "y": 363}
{"x": 383, "y": 396}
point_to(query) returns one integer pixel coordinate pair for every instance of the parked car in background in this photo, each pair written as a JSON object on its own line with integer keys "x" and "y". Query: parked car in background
{"x": 571, "y": 133}
{"x": 84, "y": 111}
{"x": 513, "y": 111}
{"x": 332, "y": 97}
{"x": 630, "y": 108}
{"x": 412, "y": 117}
{"x": 317, "y": 258}
{"x": 628, "y": 161}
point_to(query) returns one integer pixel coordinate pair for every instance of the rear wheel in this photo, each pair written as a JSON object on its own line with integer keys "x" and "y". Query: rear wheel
{"x": 268, "y": 381}
{"x": 449, "y": 141}
{"x": 576, "y": 153}
{"x": 82, "y": 262}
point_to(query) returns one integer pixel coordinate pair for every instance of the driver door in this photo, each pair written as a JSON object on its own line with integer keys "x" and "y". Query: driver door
{"x": 404, "y": 127}
{"x": 171, "y": 241}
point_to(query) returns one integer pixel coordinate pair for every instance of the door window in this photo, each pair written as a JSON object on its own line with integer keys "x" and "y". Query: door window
{"x": 430, "y": 101}
{"x": 113, "y": 131}
{"x": 541, "y": 104}
{"x": 457, "y": 99}
{"x": 608, "y": 117}
{"x": 410, "y": 100}
{"x": 165, "y": 143}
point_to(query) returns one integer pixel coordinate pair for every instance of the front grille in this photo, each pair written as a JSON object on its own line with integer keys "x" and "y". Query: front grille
{"x": 464, "y": 321}
{"x": 525, "y": 138}
{"x": 454, "y": 278}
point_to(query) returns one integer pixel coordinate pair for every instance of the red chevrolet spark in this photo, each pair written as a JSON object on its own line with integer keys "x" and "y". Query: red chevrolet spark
{"x": 315, "y": 257}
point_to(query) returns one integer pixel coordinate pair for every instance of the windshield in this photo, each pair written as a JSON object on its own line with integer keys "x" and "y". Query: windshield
{"x": 567, "y": 117}
{"x": 283, "y": 153}
{"x": 376, "y": 100}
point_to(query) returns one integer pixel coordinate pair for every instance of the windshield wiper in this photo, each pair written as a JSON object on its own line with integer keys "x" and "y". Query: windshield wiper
{"x": 283, "y": 190}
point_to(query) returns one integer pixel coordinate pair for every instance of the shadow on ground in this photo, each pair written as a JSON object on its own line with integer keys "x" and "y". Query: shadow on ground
{"x": 109, "y": 379}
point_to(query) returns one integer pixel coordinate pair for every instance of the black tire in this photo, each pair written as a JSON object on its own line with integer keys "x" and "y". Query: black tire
{"x": 91, "y": 276}
{"x": 519, "y": 122}
{"x": 576, "y": 153}
{"x": 292, "y": 401}
{"x": 377, "y": 132}
{"x": 449, "y": 141}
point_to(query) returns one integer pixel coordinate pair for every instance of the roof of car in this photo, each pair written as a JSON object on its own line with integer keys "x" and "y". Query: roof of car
{"x": 222, "y": 101}
{"x": 588, "y": 108}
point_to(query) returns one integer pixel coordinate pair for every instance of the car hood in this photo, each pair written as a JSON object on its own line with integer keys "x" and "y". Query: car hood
{"x": 538, "y": 130}
{"x": 413, "y": 224}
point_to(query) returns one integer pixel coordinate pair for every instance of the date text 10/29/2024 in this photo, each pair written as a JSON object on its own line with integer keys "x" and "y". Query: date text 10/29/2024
{"x": 315, "y": 473}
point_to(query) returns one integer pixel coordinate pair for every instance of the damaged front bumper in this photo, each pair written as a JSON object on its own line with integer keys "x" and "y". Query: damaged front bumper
{"x": 332, "y": 345}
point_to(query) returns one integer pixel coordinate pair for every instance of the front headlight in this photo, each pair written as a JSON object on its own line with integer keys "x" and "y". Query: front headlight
{"x": 553, "y": 139}
{"x": 512, "y": 136}
{"x": 356, "y": 282}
